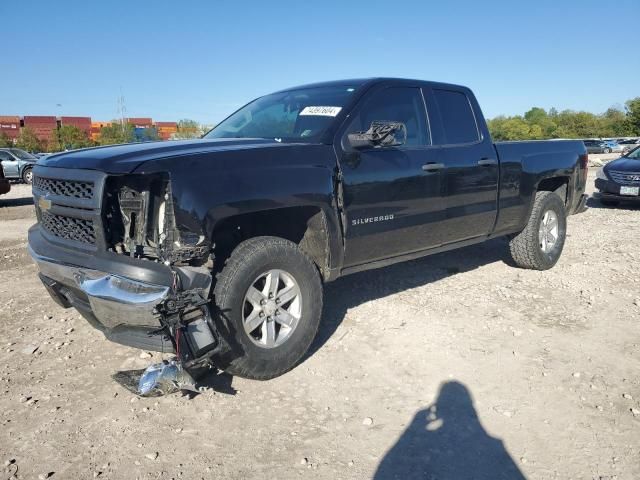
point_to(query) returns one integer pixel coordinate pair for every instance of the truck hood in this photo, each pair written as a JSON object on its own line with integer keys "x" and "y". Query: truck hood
{"x": 624, "y": 164}
{"x": 122, "y": 159}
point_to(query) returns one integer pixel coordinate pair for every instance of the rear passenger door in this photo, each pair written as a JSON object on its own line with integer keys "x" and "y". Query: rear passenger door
{"x": 471, "y": 165}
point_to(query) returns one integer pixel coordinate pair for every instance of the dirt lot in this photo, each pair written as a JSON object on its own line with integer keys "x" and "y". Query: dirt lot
{"x": 454, "y": 366}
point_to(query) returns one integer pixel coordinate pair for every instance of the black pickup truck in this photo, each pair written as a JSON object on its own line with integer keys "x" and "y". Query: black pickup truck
{"x": 217, "y": 248}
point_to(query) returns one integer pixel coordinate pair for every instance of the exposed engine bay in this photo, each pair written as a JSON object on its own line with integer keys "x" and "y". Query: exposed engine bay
{"x": 140, "y": 222}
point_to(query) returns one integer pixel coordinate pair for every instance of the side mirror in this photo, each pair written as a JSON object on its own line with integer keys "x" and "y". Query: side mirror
{"x": 380, "y": 134}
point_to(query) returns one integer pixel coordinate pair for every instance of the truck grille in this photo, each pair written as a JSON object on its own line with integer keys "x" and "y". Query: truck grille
{"x": 625, "y": 178}
{"x": 68, "y": 228}
{"x": 65, "y": 188}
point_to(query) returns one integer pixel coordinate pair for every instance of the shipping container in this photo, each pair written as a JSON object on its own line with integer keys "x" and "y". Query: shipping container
{"x": 161, "y": 125}
{"x": 83, "y": 123}
{"x": 96, "y": 128}
{"x": 42, "y": 126}
{"x": 10, "y": 126}
{"x": 140, "y": 122}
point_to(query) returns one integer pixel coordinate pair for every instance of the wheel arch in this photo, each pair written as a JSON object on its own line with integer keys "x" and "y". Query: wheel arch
{"x": 558, "y": 184}
{"x": 304, "y": 225}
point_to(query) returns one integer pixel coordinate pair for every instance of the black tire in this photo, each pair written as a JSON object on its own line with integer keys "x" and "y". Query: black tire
{"x": 247, "y": 262}
{"x": 609, "y": 150}
{"x": 27, "y": 175}
{"x": 526, "y": 249}
{"x": 609, "y": 203}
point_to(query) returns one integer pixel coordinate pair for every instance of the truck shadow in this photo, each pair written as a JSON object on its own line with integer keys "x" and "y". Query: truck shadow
{"x": 15, "y": 202}
{"x": 631, "y": 205}
{"x": 358, "y": 288}
{"x": 447, "y": 441}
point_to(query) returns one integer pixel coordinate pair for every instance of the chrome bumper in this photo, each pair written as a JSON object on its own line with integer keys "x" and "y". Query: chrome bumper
{"x": 114, "y": 300}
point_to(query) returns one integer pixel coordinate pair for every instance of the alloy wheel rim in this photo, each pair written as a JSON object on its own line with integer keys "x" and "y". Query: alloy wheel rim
{"x": 272, "y": 308}
{"x": 28, "y": 176}
{"x": 548, "y": 232}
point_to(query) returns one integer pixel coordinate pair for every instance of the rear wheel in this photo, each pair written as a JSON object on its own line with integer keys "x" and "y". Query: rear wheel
{"x": 27, "y": 175}
{"x": 268, "y": 299}
{"x": 540, "y": 244}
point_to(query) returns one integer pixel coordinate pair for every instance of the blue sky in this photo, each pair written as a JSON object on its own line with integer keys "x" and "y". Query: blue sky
{"x": 203, "y": 59}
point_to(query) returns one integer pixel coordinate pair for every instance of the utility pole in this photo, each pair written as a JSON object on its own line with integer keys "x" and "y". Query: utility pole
{"x": 122, "y": 109}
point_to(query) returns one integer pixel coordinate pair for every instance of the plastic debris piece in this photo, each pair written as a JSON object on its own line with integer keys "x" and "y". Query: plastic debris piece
{"x": 165, "y": 378}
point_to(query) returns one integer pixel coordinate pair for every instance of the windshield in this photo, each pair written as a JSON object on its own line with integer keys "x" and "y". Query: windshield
{"x": 22, "y": 155}
{"x": 295, "y": 115}
{"x": 635, "y": 154}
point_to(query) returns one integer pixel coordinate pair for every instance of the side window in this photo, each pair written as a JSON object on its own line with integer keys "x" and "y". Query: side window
{"x": 397, "y": 104}
{"x": 5, "y": 156}
{"x": 458, "y": 121}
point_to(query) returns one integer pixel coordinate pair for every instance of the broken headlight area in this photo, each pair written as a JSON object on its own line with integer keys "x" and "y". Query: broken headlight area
{"x": 140, "y": 222}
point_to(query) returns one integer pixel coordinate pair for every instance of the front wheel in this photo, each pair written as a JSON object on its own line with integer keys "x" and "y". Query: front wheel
{"x": 268, "y": 303}
{"x": 539, "y": 245}
{"x": 27, "y": 175}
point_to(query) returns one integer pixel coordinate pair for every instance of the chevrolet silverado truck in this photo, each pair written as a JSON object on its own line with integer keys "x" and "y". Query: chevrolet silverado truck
{"x": 217, "y": 248}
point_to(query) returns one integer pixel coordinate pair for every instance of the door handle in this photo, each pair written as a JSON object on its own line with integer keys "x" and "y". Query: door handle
{"x": 432, "y": 167}
{"x": 487, "y": 161}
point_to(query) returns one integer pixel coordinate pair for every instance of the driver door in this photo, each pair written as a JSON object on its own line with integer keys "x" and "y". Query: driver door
{"x": 393, "y": 201}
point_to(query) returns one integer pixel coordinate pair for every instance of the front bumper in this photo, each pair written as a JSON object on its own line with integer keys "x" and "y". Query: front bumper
{"x": 114, "y": 300}
{"x": 116, "y": 294}
{"x": 609, "y": 190}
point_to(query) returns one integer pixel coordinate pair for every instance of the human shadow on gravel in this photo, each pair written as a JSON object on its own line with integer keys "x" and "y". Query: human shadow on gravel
{"x": 446, "y": 441}
{"x": 352, "y": 290}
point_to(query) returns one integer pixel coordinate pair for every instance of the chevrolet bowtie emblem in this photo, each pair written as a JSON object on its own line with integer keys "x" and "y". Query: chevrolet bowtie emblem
{"x": 44, "y": 203}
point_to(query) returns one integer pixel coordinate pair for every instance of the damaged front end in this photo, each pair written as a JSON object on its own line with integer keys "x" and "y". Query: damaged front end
{"x": 140, "y": 222}
{"x": 111, "y": 246}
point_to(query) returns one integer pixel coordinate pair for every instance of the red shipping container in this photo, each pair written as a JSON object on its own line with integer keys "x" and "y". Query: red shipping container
{"x": 10, "y": 126}
{"x": 140, "y": 122}
{"x": 42, "y": 126}
{"x": 83, "y": 123}
{"x": 39, "y": 119}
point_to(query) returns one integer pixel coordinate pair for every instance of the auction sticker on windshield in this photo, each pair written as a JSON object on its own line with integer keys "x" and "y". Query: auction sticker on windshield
{"x": 323, "y": 111}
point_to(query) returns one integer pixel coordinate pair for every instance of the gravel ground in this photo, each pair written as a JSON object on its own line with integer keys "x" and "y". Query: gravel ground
{"x": 454, "y": 366}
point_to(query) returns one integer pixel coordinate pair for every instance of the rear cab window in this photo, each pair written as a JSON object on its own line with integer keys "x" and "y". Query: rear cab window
{"x": 456, "y": 118}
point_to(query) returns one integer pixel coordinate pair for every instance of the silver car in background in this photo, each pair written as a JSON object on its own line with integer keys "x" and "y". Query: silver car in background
{"x": 17, "y": 164}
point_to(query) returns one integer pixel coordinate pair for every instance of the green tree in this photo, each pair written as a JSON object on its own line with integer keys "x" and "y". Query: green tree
{"x": 71, "y": 137}
{"x": 538, "y": 124}
{"x": 53, "y": 144}
{"x": 614, "y": 123}
{"x": 116, "y": 133}
{"x": 27, "y": 140}
{"x": 188, "y": 129}
{"x": 5, "y": 141}
{"x": 509, "y": 128}
{"x": 633, "y": 115}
